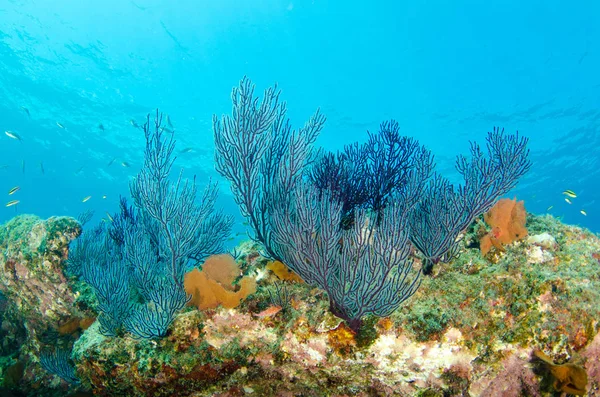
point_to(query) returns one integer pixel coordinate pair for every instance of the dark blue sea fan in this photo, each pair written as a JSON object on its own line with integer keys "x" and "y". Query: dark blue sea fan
{"x": 187, "y": 230}
{"x": 152, "y": 319}
{"x": 343, "y": 179}
{"x": 104, "y": 269}
{"x": 366, "y": 176}
{"x": 57, "y": 362}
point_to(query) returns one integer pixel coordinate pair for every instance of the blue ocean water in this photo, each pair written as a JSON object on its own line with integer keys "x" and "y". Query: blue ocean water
{"x": 446, "y": 71}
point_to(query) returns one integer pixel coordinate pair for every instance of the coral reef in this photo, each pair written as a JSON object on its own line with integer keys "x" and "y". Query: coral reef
{"x": 521, "y": 320}
{"x": 347, "y": 223}
{"x": 470, "y": 329}
{"x": 32, "y": 255}
{"x": 41, "y": 307}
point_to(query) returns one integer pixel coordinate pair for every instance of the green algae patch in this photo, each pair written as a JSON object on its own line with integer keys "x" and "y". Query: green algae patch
{"x": 28, "y": 238}
{"x": 530, "y": 296}
{"x": 180, "y": 362}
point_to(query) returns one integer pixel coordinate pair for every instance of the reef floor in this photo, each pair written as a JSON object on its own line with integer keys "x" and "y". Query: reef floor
{"x": 522, "y": 321}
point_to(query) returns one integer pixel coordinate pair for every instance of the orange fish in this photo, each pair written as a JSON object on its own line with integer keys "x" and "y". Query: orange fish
{"x": 269, "y": 312}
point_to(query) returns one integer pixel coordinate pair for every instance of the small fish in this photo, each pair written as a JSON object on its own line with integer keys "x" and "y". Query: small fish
{"x": 13, "y": 135}
{"x": 269, "y": 311}
{"x": 133, "y": 123}
{"x": 78, "y": 171}
{"x": 169, "y": 130}
{"x": 169, "y": 121}
{"x": 110, "y": 218}
{"x": 549, "y": 208}
{"x": 569, "y": 193}
{"x": 23, "y": 108}
{"x": 568, "y": 201}
{"x": 187, "y": 150}
{"x": 60, "y": 125}
{"x": 86, "y": 198}
{"x": 14, "y": 190}
{"x": 104, "y": 197}
{"x": 101, "y": 127}
{"x": 111, "y": 162}
{"x": 23, "y": 166}
{"x": 4, "y": 166}
{"x": 42, "y": 167}
{"x": 583, "y": 212}
{"x": 13, "y": 202}
{"x": 125, "y": 164}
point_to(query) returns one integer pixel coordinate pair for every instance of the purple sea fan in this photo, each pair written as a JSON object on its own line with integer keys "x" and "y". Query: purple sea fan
{"x": 445, "y": 211}
{"x": 365, "y": 270}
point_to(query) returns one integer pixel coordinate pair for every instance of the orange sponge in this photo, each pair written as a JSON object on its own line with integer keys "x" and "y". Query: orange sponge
{"x": 283, "y": 272}
{"x": 507, "y": 219}
{"x": 212, "y": 286}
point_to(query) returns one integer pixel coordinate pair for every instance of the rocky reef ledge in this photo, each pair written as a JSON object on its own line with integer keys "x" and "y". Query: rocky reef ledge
{"x": 519, "y": 321}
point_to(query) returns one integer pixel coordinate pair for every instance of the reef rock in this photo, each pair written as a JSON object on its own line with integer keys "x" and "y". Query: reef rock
{"x": 38, "y": 297}
{"x": 544, "y": 240}
{"x": 471, "y": 329}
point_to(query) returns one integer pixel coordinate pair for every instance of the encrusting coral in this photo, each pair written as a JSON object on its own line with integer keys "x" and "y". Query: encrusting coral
{"x": 507, "y": 220}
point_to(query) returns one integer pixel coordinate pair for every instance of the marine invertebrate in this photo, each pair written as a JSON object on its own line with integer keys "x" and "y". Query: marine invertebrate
{"x": 367, "y": 175}
{"x": 57, "y": 362}
{"x": 299, "y": 213}
{"x": 445, "y": 211}
{"x": 260, "y": 154}
{"x": 148, "y": 247}
{"x": 364, "y": 270}
{"x": 283, "y": 272}
{"x": 103, "y": 267}
{"x": 279, "y": 296}
{"x": 152, "y": 318}
{"x": 182, "y": 228}
{"x": 507, "y": 218}
{"x": 213, "y": 286}
{"x": 493, "y": 318}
